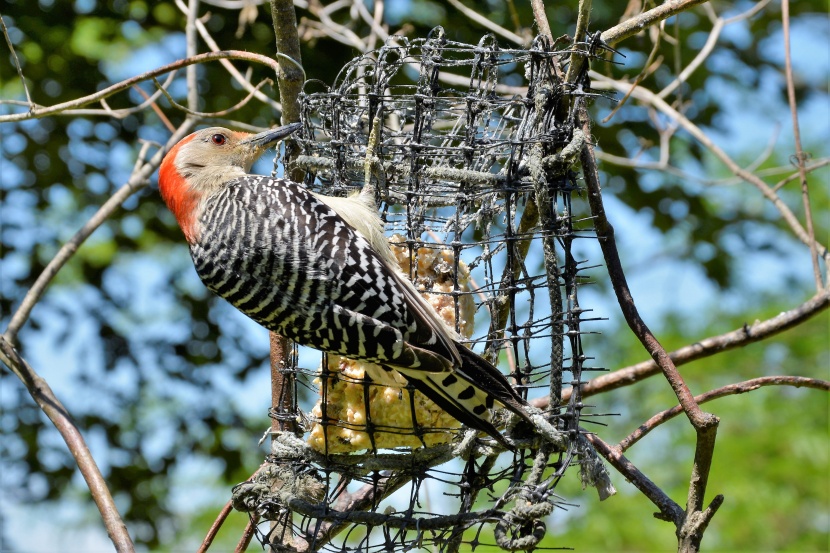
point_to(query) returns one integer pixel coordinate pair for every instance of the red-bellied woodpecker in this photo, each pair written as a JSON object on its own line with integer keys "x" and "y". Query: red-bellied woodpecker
{"x": 318, "y": 270}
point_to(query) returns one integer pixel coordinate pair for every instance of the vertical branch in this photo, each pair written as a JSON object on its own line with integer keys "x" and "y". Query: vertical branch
{"x": 800, "y": 157}
{"x": 190, "y": 33}
{"x": 705, "y": 424}
{"x": 291, "y": 74}
{"x": 578, "y": 57}
{"x": 282, "y": 396}
{"x": 290, "y": 79}
{"x": 541, "y": 19}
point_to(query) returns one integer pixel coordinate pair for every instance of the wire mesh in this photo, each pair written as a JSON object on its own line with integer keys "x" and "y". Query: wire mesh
{"x": 470, "y": 151}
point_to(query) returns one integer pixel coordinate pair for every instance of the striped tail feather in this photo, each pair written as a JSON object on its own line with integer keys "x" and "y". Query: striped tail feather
{"x": 469, "y": 392}
{"x": 476, "y": 370}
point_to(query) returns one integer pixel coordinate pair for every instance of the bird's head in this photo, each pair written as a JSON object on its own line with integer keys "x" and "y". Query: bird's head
{"x": 202, "y": 163}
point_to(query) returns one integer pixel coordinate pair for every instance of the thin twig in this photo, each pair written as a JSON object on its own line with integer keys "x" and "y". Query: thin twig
{"x": 729, "y": 390}
{"x": 39, "y": 111}
{"x": 698, "y": 60}
{"x": 332, "y": 29}
{"x": 16, "y": 63}
{"x": 703, "y": 348}
{"x": 138, "y": 180}
{"x": 247, "y": 535}
{"x": 631, "y": 27}
{"x": 799, "y": 152}
{"x": 214, "y": 528}
{"x": 45, "y": 398}
{"x": 213, "y": 114}
{"x": 229, "y": 67}
{"x": 108, "y": 111}
{"x": 577, "y": 55}
{"x": 649, "y": 67}
{"x": 154, "y": 106}
{"x": 541, "y": 19}
{"x": 669, "y": 510}
{"x": 375, "y": 22}
{"x": 599, "y": 81}
{"x": 488, "y": 24}
{"x": 758, "y": 6}
{"x": 190, "y": 35}
{"x": 220, "y": 520}
{"x": 795, "y": 176}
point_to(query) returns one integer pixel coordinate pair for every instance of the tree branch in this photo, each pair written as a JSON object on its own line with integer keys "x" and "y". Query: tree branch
{"x": 729, "y": 390}
{"x": 38, "y": 111}
{"x": 703, "y": 348}
{"x": 30, "y": 104}
{"x": 645, "y": 95}
{"x": 233, "y": 71}
{"x": 705, "y": 424}
{"x": 45, "y": 398}
{"x": 138, "y": 180}
{"x": 290, "y": 78}
{"x": 669, "y": 510}
{"x": 214, "y": 528}
{"x": 488, "y": 24}
{"x": 634, "y": 25}
{"x": 800, "y": 157}
{"x": 607, "y": 241}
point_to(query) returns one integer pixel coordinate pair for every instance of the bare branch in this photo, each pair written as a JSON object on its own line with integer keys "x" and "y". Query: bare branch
{"x": 729, "y": 390}
{"x": 375, "y": 22}
{"x": 577, "y": 56}
{"x": 541, "y": 19}
{"x": 810, "y": 168}
{"x": 39, "y": 112}
{"x": 631, "y": 27}
{"x": 706, "y": 347}
{"x": 45, "y": 398}
{"x": 247, "y": 535}
{"x": 329, "y": 27}
{"x": 607, "y": 241}
{"x": 233, "y": 71}
{"x": 800, "y": 157}
{"x": 705, "y": 424}
{"x": 701, "y": 56}
{"x": 487, "y": 24}
{"x": 151, "y": 100}
{"x": 138, "y": 180}
{"x": 31, "y": 104}
{"x": 645, "y": 95}
{"x": 190, "y": 35}
{"x": 669, "y": 510}
{"x": 214, "y": 528}
{"x": 222, "y": 113}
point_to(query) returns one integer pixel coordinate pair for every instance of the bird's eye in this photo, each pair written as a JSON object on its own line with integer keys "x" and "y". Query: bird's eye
{"x": 219, "y": 139}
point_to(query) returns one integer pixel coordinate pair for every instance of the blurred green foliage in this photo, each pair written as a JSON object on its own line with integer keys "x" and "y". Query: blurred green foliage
{"x": 153, "y": 367}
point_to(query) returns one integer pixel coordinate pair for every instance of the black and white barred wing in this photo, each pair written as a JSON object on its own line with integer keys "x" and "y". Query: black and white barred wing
{"x": 300, "y": 270}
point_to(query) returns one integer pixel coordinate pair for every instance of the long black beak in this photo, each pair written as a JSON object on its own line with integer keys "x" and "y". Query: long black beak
{"x": 265, "y": 139}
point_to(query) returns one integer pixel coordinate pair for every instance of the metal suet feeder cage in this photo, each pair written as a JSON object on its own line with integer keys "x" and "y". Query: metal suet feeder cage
{"x": 471, "y": 152}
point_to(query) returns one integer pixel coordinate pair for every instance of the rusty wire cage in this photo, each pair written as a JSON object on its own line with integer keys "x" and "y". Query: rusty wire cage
{"x": 471, "y": 152}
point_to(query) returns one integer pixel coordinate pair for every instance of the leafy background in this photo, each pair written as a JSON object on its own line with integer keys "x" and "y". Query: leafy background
{"x": 171, "y": 387}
